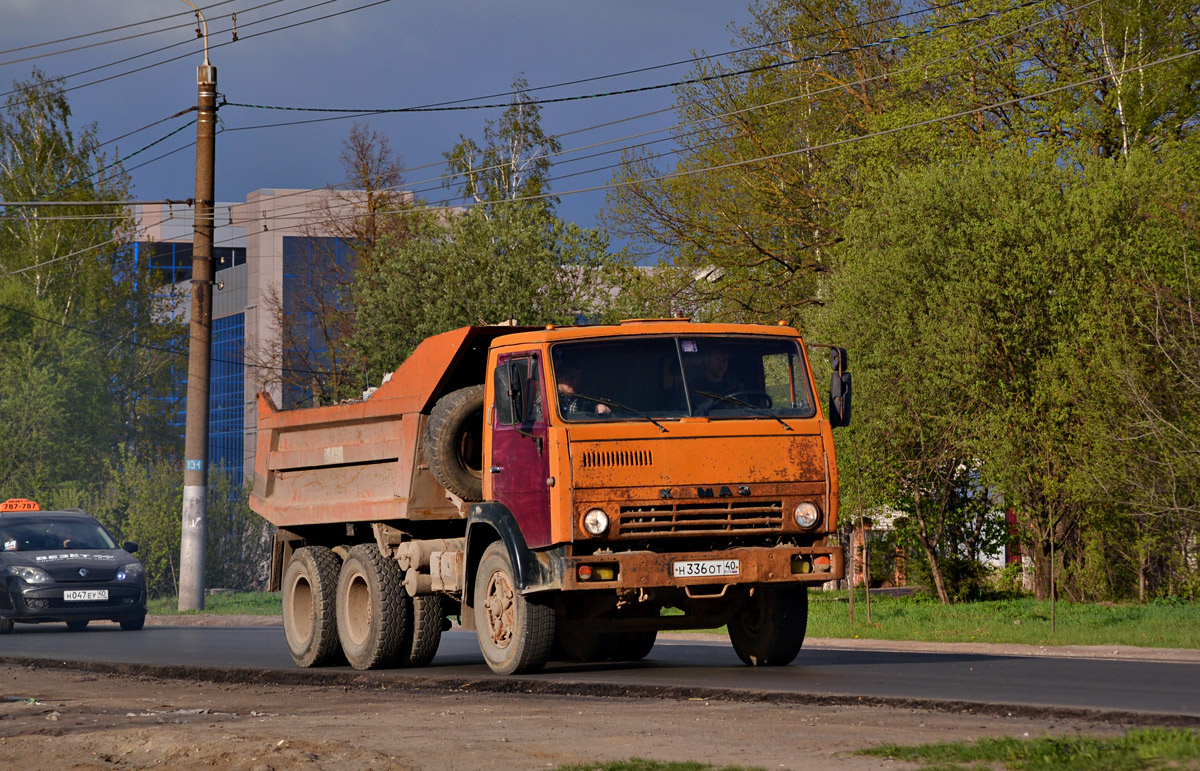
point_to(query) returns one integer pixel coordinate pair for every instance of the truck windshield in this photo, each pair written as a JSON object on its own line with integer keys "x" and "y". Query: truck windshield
{"x": 673, "y": 377}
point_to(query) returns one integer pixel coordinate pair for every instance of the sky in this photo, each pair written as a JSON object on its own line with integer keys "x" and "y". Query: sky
{"x": 397, "y": 53}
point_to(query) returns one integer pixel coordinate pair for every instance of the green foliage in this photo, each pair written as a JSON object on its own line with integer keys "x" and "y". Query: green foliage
{"x": 1149, "y": 748}
{"x": 83, "y": 335}
{"x": 507, "y": 257}
{"x": 642, "y": 764}
{"x": 1006, "y": 619}
{"x": 223, "y": 603}
{"x": 141, "y": 502}
{"x": 239, "y": 541}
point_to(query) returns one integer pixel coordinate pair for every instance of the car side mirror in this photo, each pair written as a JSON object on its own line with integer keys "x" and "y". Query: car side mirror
{"x": 130, "y": 547}
{"x": 839, "y": 388}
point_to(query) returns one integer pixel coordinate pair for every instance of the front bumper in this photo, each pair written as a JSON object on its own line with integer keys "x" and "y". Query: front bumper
{"x": 804, "y": 565}
{"x": 45, "y": 603}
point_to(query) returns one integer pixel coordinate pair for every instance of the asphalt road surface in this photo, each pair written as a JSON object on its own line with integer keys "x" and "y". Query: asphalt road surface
{"x": 1158, "y": 687}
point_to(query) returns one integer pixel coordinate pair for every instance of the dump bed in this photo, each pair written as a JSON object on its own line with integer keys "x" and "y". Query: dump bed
{"x": 361, "y": 461}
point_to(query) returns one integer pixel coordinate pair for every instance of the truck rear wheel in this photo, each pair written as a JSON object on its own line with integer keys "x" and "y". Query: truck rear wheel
{"x": 454, "y": 442}
{"x": 516, "y": 632}
{"x": 769, "y": 629}
{"x": 309, "y": 622}
{"x": 424, "y": 630}
{"x": 371, "y": 608}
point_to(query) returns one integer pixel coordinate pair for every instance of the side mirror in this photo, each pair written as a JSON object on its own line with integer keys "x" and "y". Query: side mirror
{"x": 839, "y": 388}
{"x": 516, "y": 393}
{"x": 130, "y": 547}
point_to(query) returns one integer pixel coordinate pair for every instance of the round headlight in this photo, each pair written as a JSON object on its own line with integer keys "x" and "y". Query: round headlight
{"x": 807, "y": 514}
{"x": 595, "y": 522}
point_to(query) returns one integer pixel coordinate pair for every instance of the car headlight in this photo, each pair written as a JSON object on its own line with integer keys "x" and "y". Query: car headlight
{"x": 807, "y": 514}
{"x": 595, "y": 522}
{"x": 30, "y": 575}
{"x": 130, "y": 572}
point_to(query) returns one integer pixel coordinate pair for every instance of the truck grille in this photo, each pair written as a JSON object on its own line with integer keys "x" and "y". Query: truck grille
{"x": 696, "y": 519}
{"x": 616, "y": 458}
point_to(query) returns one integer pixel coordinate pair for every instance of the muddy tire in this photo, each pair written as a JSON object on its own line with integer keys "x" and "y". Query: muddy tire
{"x": 516, "y": 632}
{"x": 371, "y": 608}
{"x": 6, "y": 625}
{"x": 309, "y": 592}
{"x": 454, "y": 442}
{"x": 133, "y": 624}
{"x": 769, "y": 629}
{"x": 632, "y": 646}
{"x": 424, "y": 631}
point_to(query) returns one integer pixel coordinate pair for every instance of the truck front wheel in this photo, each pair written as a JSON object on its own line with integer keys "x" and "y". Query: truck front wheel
{"x": 372, "y": 612}
{"x": 309, "y": 624}
{"x": 768, "y": 630}
{"x": 516, "y": 632}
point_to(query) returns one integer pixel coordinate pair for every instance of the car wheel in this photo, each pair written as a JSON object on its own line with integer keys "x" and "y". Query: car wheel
{"x": 77, "y": 626}
{"x": 133, "y": 624}
{"x": 6, "y": 625}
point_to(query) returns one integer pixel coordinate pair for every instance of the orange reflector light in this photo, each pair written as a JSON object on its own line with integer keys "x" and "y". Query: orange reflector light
{"x": 20, "y": 504}
{"x": 585, "y": 572}
{"x": 823, "y": 564}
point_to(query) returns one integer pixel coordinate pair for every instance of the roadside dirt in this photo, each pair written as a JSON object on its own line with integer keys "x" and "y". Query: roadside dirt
{"x": 63, "y": 719}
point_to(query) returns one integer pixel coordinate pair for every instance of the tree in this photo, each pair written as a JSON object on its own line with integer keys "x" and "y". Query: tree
{"x": 86, "y": 342}
{"x": 507, "y": 256}
{"x": 314, "y": 314}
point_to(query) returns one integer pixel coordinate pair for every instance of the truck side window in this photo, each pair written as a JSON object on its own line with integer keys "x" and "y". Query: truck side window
{"x": 518, "y": 379}
{"x": 504, "y": 414}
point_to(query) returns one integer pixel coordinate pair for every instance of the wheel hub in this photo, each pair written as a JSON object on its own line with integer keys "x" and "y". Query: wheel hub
{"x": 499, "y": 606}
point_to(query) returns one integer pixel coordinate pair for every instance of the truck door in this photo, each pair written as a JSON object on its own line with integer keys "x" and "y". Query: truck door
{"x": 519, "y": 464}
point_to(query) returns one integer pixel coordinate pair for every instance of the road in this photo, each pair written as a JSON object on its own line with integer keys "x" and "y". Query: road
{"x": 680, "y": 666}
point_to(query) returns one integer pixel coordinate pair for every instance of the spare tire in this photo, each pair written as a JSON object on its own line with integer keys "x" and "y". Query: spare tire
{"x": 454, "y": 442}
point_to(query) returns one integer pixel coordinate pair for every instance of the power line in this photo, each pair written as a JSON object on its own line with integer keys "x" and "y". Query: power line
{"x": 105, "y": 31}
{"x": 191, "y": 53}
{"x": 129, "y": 37}
{"x": 409, "y": 186}
{"x": 655, "y": 87}
{"x": 158, "y": 348}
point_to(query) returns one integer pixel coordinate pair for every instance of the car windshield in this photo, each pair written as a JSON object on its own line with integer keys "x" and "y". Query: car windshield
{"x": 53, "y": 534}
{"x": 677, "y": 376}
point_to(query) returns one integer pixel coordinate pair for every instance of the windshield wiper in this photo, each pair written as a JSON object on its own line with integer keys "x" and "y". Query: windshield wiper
{"x": 747, "y": 405}
{"x": 619, "y": 406}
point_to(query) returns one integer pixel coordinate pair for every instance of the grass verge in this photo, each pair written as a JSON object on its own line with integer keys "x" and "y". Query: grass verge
{"x": 224, "y": 604}
{"x": 1025, "y": 621}
{"x": 1152, "y": 748}
{"x": 641, "y": 764}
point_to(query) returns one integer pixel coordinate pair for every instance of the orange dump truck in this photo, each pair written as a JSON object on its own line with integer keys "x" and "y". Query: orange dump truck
{"x": 555, "y": 489}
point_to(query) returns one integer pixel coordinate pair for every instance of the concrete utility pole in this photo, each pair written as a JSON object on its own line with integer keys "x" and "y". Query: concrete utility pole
{"x": 193, "y": 539}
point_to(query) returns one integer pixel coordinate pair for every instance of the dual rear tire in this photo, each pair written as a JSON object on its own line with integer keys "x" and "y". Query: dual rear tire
{"x": 356, "y": 611}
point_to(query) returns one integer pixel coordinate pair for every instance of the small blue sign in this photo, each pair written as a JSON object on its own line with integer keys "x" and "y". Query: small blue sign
{"x": 194, "y": 465}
